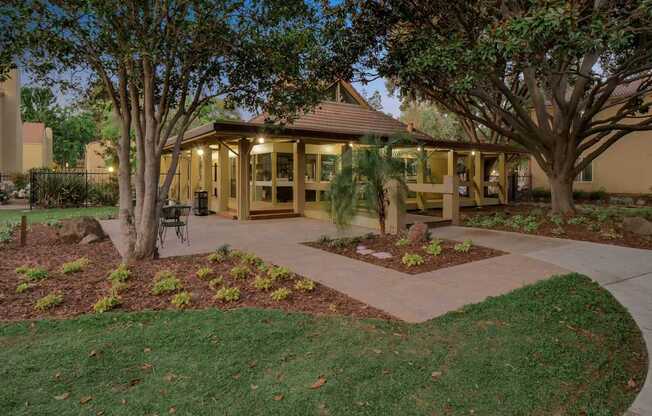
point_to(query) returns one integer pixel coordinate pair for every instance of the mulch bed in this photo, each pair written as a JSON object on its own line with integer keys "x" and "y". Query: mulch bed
{"x": 81, "y": 290}
{"x": 571, "y": 231}
{"x": 387, "y": 243}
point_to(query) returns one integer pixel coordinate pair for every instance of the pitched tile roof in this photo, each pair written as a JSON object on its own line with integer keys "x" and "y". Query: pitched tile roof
{"x": 348, "y": 118}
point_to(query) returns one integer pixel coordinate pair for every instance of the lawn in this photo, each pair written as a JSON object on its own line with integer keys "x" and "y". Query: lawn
{"x": 562, "y": 346}
{"x": 43, "y": 215}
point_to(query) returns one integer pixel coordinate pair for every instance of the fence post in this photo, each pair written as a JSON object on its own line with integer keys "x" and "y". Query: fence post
{"x": 86, "y": 190}
{"x": 23, "y": 230}
{"x": 451, "y": 199}
{"x": 394, "y": 211}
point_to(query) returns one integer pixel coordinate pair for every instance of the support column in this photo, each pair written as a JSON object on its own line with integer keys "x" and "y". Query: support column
{"x": 451, "y": 200}
{"x": 223, "y": 179}
{"x": 206, "y": 161}
{"x": 502, "y": 178}
{"x": 242, "y": 181}
{"x": 394, "y": 212}
{"x": 422, "y": 162}
{"x": 478, "y": 178}
{"x": 274, "y": 173}
{"x": 299, "y": 177}
{"x": 452, "y": 163}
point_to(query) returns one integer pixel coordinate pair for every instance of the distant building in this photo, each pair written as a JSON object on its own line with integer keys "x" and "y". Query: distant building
{"x": 94, "y": 157}
{"x": 11, "y": 137}
{"x": 37, "y": 146}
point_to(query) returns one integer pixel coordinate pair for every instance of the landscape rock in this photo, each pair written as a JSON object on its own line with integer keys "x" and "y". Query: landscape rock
{"x": 76, "y": 229}
{"x": 418, "y": 233}
{"x": 365, "y": 251}
{"x": 641, "y": 202}
{"x": 382, "y": 255}
{"x": 637, "y": 225}
{"x": 90, "y": 239}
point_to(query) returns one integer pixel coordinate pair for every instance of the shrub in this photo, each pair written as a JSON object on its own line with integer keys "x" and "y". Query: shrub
{"x": 23, "y": 287}
{"x": 181, "y": 300}
{"x": 75, "y": 266}
{"x": 216, "y": 257}
{"x": 118, "y": 287}
{"x": 22, "y": 269}
{"x": 106, "y": 304}
{"x": 251, "y": 259}
{"x": 6, "y": 232}
{"x": 579, "y": 220}
{"x": 558, "y": 231}
{"x": 527, "y": 224}
{"x": 262, "y": 283}
{"x": 214, "y": 283}
{"x": 240, "y": 272}
{"x": 120, "y": 274}
{"x": 402, "y": 242}
{"x": 228, "y": 294}
{"x": 53, "y": 222}
{"x": 279, "y": 273}
{"x": 205, "y": 273}
{"x": 34, "y": 274}
{"x": 540, "y": 194}
{"x": 224, "y": 249}
{"x": 104, "y": 193}
{"x": 411, "y": 260}
{"x": 165, "y": 282}
{"x": 305, "y": 285}
{"x": 463, "y": 247}
{"x": 280, "y": 294}
{"x": 433, "y": 248}
{"x": 344, "y": 242}
{"x": 324, "y": 239}
{"x": 558, "y": 220}
{"x": 48, "y": 301}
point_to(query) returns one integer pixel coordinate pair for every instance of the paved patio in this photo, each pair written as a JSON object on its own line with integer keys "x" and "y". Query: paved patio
{"x": 625, "y": 272}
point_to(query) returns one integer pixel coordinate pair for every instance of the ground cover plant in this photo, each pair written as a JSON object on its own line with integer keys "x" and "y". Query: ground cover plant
{"x": 406, "y": 256}
{"x": 562, "y": 346}
{"x": 105, "y": 285}
{"x": 601, "y": 224}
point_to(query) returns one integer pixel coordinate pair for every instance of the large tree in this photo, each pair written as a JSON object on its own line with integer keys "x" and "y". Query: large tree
{"x": 564, "y": 79}
{"x": 160, "y": 61}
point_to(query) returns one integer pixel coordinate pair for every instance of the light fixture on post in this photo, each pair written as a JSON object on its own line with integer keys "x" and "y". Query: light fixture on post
{"x": 200, "y": 152}
{"x": 261, "y": 140}
{"x": 472, "y": 152}
{"x": 111, "y": 169}
{"x": 350, "y": 144}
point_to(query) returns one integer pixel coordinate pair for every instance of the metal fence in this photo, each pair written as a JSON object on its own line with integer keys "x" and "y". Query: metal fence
{"x": 72, "y": 188}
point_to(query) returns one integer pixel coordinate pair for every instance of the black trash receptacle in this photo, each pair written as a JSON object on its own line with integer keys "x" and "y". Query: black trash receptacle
{"x": 200, "y": 206}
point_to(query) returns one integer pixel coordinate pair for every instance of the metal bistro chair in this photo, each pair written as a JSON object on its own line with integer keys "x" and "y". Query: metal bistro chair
{"x": 175, "y": 216}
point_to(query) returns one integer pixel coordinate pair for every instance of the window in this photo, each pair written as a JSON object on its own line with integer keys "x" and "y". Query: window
{"x": 311, "y": 167}
{"x": 284, "y": 166}
{"x": 232, "y": 174}
{"x": 586, "y": 175}
{"x": 328, "y": 167}
{"x": 264, "y": 167}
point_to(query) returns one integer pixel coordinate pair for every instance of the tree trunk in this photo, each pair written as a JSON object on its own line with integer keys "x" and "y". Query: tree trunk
{"x": 561, "y": 189}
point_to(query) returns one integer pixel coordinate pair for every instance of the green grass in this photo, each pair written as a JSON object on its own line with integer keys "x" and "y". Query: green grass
{"x": 43, "y": 215}
{"x": 563, "y": 346}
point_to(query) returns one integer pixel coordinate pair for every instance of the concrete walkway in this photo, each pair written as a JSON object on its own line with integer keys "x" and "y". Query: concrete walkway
{"x": 625, "y": 272}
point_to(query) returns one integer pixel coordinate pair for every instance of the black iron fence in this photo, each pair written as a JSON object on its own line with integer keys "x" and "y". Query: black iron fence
{"x": 72, "y": 188}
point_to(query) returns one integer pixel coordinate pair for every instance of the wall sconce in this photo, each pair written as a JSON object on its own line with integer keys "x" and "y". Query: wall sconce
{"x": 200, "y": 152}
{"x": 473, "y": 153}
{"x": 350, "y": 144}
{"x": 261, "y": 140}
{"x": 111, "y": 169}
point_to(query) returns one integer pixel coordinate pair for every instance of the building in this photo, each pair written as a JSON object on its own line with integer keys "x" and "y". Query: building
{"x": 37, "y": 146}
{"x": 624, "y": 168}
{"x": 11, "y": 148}
{"x": 258, "y": 169}
{"x": 94, "y": 157}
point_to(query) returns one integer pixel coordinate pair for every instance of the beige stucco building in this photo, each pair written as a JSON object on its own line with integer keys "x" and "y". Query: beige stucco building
{"x": 624, "y": 168}
{"x": 37, "y": 146}
{"x": 11, "y": 148}
{"x": 94, "y": 157}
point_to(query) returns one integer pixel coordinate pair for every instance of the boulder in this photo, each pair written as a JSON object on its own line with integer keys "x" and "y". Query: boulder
{"x": 418, "y": 233}
{"x": 637, "y": 225}
{"x": 90, "y": 239}
{"x": 76, "y": 229}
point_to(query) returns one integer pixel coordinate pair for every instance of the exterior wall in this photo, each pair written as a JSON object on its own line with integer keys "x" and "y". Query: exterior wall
{"x": 11, "y": 136}
{"x": 625, "y": 167}
{"x": 33, "y": 156}
{"x": 93, "y": 160}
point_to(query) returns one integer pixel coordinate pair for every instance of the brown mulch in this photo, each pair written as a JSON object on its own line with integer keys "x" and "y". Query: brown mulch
{"x": 571, "y": 231}
{"x": 387, "y": 243}
{"x": 81, "y": 290}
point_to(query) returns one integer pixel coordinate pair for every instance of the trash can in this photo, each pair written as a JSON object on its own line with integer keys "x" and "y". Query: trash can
{"x": 200, "y": 206}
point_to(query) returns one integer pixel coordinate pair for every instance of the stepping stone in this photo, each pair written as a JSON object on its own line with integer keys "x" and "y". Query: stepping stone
{"x": 382, "y": 255}
{"x": 361, "y": 247}
{"x": 365, "y": 251}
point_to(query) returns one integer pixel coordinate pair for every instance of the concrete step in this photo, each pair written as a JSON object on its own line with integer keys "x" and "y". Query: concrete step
{"x": 273, "y": 215}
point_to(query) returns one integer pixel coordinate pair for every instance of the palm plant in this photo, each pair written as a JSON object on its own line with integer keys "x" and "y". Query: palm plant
{"x": 365, "y": 182}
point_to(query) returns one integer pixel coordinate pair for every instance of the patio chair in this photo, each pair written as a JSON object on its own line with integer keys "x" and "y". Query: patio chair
{"x": 175, "y": 216}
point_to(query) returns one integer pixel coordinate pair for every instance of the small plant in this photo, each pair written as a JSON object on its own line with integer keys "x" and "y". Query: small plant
{"x": 262, "y": 283}
{"x": 434, "y": 248}
{"x": 412, "y": 260}
{"x": 402, "y": 242}
{"x": 280, "y": 294}
{"x": 240, "y": 272}
{"x": 34, "y": 274}
{"x": 305, "y": 285}
{"x": 370, "y": 236}
{"x": 579, "y": 220}
{"x": 224, "y": 249}
{"x": 251, "y": 259}
{"x": 106, "y": 303}
{"x": 48, "y": 301}
{"x": 558, "y": 231}
{"x": 324, "y": 239}
{"x": 23, "y": 287}
{"x": 53, "y": 222}
{"x": 279, "y": 273}
{"x": 118, "y": 287}
{"x": 558, "y": 220}
{"x": 214, "y": 283}
{"x": 217, "y": 257}
{"x": 228, "y": 294}
{"x": 593, "y": 226}
{"x": 75, "y": 266}
{"x": 181, "y": 300}
{"x": 120, "y": 274}
{"x": 22, "y": 269}
{"x": 165, "y": 282}
{"x": 205, "y": 273}
{"x": 463, "y": 247}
